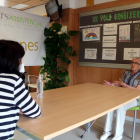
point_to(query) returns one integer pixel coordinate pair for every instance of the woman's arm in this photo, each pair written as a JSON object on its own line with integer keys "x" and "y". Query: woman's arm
{"x": 24, "y": 101}
{"x": 115, "y": 83}
{"x": 107, "y": 83}
{"x": 127, "y": 86}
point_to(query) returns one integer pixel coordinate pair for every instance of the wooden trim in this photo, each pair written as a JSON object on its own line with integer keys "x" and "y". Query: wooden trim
{"x": 90, "y": 2}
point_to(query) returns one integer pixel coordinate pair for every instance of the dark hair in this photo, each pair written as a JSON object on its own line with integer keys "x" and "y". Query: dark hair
{"x": 10, "y": 53}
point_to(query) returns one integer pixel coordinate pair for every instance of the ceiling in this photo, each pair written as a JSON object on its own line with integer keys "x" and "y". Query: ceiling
{"x": 31, "y": 3}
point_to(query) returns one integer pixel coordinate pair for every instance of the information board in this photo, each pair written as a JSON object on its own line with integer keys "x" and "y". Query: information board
{"x": 110, "y": 37}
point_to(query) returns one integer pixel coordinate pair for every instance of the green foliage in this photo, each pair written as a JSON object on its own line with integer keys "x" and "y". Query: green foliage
{"x": 57, "y": 48}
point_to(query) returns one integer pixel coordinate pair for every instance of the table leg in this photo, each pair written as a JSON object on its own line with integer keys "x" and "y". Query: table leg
{"x": 87, "y": 125}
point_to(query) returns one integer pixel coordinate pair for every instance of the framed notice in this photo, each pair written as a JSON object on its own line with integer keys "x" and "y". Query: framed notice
{"x": 109, "y": 41}
{"x": 124, "y": 33}
{"x": 90, "y": 53}
{"x": 110, "y": 29}
{"x": 91, "y": 34}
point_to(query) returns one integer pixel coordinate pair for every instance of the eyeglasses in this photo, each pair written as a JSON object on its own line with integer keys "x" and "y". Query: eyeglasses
{"x": 134, "y": 63}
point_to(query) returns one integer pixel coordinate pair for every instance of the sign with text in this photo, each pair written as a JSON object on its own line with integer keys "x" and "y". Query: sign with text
{"x": 110, "y": 29}
{"x": 28, "y": 30}
{"x": 109, "y": 41}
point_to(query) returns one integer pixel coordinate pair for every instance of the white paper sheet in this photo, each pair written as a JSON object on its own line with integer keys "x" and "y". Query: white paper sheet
{"x": 110, "y": 29}
{"x": 124, "y": 33}
{"x": 91, "y": 34}
{"x": 109, "y": 41}
{"x": 90, "y": 53}
{"x": 130, "y": 53}
{"x": 109, "y": 54}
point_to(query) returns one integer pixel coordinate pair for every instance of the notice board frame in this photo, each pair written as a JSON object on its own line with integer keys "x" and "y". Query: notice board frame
{"x": 107, "y": 10}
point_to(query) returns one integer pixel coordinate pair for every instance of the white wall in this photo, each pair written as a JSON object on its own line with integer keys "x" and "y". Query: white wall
{"x": 78, "y": 4}
{"x": 74, "y": 4}
{"x": 82, "y": 3}
{"x": 65, "y": 3}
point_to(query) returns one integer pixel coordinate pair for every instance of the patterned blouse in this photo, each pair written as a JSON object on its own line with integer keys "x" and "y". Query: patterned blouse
{"x": 130, "y": 80}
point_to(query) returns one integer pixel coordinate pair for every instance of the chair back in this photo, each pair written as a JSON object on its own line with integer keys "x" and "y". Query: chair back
{"x": 29, "y": 78}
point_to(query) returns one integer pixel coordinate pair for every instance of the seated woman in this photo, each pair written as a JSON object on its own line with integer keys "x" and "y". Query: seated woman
{"x": 129, "y": 79}
{"x": 13, "y": 95}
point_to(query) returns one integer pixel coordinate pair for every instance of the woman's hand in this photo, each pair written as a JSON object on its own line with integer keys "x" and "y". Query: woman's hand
{"x": 117, "y": 83}
{"x": 122, "y": 83}
{"x": 107, "y": 83}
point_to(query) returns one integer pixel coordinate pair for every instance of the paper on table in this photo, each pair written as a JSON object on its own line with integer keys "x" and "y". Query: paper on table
{"x": 90, "y": 53}
{"x": 109, "y": 41}
{"x": 110, "y": 29}
{"x": 130, "y": 53}
{"x": 109, "y": 54}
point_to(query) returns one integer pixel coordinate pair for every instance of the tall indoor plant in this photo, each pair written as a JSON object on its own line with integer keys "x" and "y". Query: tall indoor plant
{"x": 57, "y": 49}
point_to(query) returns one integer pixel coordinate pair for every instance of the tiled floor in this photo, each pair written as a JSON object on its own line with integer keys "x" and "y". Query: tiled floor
{"x": 96, "y": 132}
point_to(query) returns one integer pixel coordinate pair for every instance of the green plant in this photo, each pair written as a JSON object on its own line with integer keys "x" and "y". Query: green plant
{"x": 57, "y": 49}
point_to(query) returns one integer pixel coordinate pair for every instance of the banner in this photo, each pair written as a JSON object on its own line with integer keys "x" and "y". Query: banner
{"x": 28, "y": 30}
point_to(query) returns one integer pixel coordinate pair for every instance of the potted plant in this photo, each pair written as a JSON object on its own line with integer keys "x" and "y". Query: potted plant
{"x": 57, "y": 49}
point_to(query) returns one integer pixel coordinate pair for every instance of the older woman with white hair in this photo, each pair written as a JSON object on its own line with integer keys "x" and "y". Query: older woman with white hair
{"x": 129, "y": 79}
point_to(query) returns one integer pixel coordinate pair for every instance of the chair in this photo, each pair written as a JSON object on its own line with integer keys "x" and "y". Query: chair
{"x": 135, "y": 114}
{"x": 34, "y": 85}
{"x": 31, "y": 85}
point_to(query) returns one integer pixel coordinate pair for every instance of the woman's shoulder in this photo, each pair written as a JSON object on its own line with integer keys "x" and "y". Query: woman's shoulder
{"x": 9, "y": 76}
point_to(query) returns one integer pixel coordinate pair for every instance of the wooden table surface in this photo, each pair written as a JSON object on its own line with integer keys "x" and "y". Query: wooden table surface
{"x": 67, "y": 108}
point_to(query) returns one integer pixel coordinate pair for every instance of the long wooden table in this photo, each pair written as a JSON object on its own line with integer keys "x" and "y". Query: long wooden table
{"x": 67, "y": 108}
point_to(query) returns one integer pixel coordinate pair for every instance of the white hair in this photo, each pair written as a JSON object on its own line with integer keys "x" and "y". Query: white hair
{"x": 138, "y": 58}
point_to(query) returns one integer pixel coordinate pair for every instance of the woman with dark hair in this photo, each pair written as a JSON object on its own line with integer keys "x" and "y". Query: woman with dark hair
{"x": 13, "y": 95}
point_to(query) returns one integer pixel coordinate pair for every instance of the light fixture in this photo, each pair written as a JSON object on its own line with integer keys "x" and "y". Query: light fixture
{"x": 19, "y": 6}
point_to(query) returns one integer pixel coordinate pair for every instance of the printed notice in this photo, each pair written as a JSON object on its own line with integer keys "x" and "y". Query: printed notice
{"x": 110, "y": 29}
{"x": 124, "y": 33}
{"x": 137, "y": 32}
{"x": 91, "y": 34}
{"x": 130, "y": 53}
{"x": 90, "y": 53}
{"x": 109, "y": 41}
{"x": 109, "y": 54}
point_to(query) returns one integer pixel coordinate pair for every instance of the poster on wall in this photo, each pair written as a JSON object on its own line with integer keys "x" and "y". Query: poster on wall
{"x": 130, "y": 53}
{"x": 91, "y": 34}
{"x": 110, "y": 29}
{"x": 124, "y": 33}
{"x": 109, "y": 54}
{"x": 137, "y": 32}
{"x": 28, "y": 30}
{"x": 109, "y": 41}
{"x": 90, "y": 53}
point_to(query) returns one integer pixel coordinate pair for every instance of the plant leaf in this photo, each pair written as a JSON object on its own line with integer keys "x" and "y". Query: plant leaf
{"x": 69, "y": 49}
{"x": 57, "y": 27}
{"x": 67, "y": 79}
{"x": 73, "y": 33}
{"x": 64, "y": 59}
{"x": 68, "y": 62}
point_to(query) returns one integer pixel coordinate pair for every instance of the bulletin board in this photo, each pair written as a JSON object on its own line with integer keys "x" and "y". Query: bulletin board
{"x": 109, "y": 37}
